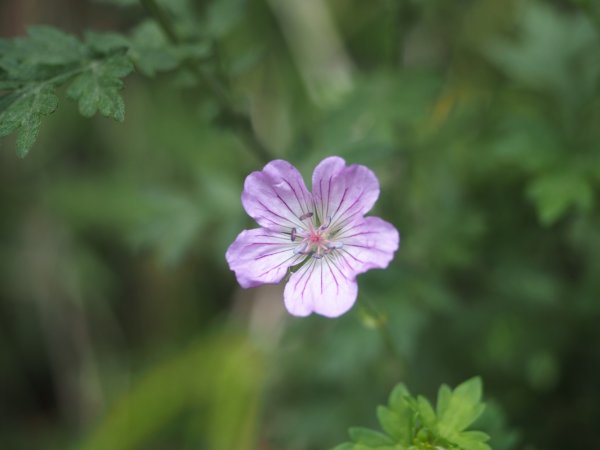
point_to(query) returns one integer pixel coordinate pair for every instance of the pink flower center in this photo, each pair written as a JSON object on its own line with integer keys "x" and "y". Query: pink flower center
{"x": 313, "y": 241}
{"x": 315, "y": 237}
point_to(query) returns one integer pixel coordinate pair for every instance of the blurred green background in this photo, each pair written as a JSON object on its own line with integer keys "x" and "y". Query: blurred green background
{"x": 121, "y": 326}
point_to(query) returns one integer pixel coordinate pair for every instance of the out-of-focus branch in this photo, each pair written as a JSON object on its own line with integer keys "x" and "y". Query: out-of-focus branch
{"x": 401, "y": 16}
{"x": 230, "y": 117}
{"x": 317, "y": 48}
{"x": 374, "y": 319}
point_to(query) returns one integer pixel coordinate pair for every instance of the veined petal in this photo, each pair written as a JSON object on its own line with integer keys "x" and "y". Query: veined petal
{"x": 341, "y": 192}
{"x": 261, "y": 256}
{"x": 276, "y": 196}
{"x": 368, "y": 244}
{"x": 322, "y": 286}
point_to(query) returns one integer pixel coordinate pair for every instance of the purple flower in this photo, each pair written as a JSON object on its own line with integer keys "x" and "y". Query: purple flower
{"x": 323, "y": 237}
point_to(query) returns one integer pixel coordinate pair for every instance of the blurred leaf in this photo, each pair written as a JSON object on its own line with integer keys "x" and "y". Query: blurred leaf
{"x": 554, "y": 193}
{"x": 171, "y": 228}
{"x": 368, "y": 437}
{"x": 44, "y": 45}
{"x": 555, "y": 51}
{"x": 205, "y": 375}
{"x": 224, "y": 15}
{"x": 392, "y": 423}
{"x": 150, "y": 50}
{"x": 106, "y": 43}
{"x": 426, "y": 412}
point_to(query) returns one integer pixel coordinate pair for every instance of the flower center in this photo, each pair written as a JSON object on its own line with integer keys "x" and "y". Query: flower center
{"x": 313, "y": 241}
{"x": 315, "y": 238}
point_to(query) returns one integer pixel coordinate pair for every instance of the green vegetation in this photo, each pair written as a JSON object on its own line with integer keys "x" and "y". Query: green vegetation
{"x": 121, "y": 326}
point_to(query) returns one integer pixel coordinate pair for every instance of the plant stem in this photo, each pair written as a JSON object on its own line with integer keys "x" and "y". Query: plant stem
{"x": 230, "y": 117}
{"x": 380, "y": 322}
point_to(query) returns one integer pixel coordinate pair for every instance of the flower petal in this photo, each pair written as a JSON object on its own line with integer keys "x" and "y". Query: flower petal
{"x": 368, "y": 244}
{"x": 261, "y": 256}
{"x": 321, "y": 286}
{"x": 341, "y": 192}
{"x": 276, "y": 196}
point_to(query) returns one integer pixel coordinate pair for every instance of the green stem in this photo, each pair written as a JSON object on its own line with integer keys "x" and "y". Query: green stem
{"x": 230, "y": 116}
{"x": 401, "y": 14}
{"x": 379, "y": 321}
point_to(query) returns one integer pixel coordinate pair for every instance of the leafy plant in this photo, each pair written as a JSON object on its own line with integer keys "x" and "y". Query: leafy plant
{"x": 411, "y": 423}
{"x": 33, "y": 67}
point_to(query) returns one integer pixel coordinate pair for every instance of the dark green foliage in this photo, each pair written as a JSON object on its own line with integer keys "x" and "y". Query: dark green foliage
{"x": 32, "y": 67}
{"x": 410, "y": 423}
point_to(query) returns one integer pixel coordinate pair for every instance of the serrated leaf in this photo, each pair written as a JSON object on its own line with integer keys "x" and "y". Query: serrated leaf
{"x": 24, "y": 114}
{"x": 412, "y": 423}
{"x": 97, "y": 89}
{"x": 369, "y": 437}
{"x": 461, "y": 409}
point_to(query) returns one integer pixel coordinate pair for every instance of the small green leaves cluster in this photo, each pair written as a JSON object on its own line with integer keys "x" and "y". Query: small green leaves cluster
{"x": 33, "y": 67}
{"x": 93, "y": 68}
{"x": 411, "y": 423}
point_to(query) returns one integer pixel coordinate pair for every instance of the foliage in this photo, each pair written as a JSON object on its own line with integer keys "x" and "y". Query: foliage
{"x": 480, "y": 119}
{"x": 412, "y": 423}
{"x": 33, "y": 67}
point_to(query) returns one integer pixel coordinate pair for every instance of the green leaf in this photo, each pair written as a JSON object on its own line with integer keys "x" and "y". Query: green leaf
{"x": 150, "y": 50}
{"x": 344, "y": 446}
{"x": 472, "y": 440}
{"x": 392, "y": 423}
{"x": 555, "y": 193}
{"x": 106, "y": 43}
{"x": 399, "y": 403}
{"x": 460, "y": 409}
{"x": 369, "y": 437}
{"x": 556, "y": 51}
{"x": 443, "y": 400}
{"x": 412, "y": 423}
{"x": 47, "y": 45}
{"x": 397, "y": 400}
{"x": 97, "y": 89}
{"x": 24, "y": 114}
{"x": 426, "y": 412}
